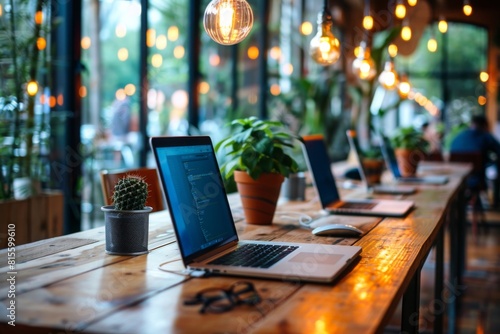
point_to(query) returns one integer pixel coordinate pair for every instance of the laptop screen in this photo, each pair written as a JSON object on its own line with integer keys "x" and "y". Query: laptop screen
{"x": 195, "y": 194}
{"x": 354, "y": 144}
{"x": 390, "y": 157}
{"x": 320, "y": 168}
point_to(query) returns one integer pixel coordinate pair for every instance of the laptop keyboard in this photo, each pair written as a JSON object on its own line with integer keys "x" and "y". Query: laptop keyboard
{"x": 357, "y": 206}
{"x": 255, "y": 255}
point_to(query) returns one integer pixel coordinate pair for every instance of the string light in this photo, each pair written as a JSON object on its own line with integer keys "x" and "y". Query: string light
{"x": 406, "y": 31}
{"x": 467, "y": 8}
{"x": 484, "y": 76}
{"x": 412, "y": 2}
{"x": 389, "y": 77}
{"x": 404, "y": 87}
{"x": 367, "y": 19}
{"x": 364, "y": 66}
{"x": 400, "y": 10}
{"x": 228, "y": 22}
{"x": 393, "y": 50}
{"x": 432, "y": 44}
{"x": 443, "y": 26}
{"x": 324, "y": 48}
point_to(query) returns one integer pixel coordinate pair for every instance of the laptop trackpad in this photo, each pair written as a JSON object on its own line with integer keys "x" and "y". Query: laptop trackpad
{"x": 317, "y": 258}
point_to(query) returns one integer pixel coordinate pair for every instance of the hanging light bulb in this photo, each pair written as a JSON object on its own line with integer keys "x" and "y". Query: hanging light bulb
{"x": 467, "y": 8}
{"x": 404, "y": 87}
{"x": 400, "y": 10}
{"x": 367, "y": 19}
{"x": 389, "y": 77}
{"x": 412, "y": 2}
{"x": 432, "y": 44}
{"x": 32, "y": 88}
{"x": 364, "y": 66}
{"x": 228, "y": 22}
{"x": 443, "y": 26}
{"x": 484, "y": 76}
{"x": 406, "y": 31}
{"x": 393, "y": 50}
{"x": 324, "y": 47}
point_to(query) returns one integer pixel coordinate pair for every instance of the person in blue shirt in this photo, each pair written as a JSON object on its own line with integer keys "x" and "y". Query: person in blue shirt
{"x": 476, "y": 139}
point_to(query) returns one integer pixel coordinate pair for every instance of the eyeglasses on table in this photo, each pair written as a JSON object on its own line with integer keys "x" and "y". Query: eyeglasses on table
{"x": 218, "y": 300}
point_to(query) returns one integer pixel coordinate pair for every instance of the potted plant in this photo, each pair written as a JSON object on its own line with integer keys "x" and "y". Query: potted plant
{"x": 257, "y": 159}
{"x": 127, "y": 220}
{"x": 409, "y": 148}
{"x": 373, "y": 163}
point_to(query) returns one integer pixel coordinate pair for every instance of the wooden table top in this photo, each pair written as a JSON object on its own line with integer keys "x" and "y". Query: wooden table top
{"x": 69, "y": 283}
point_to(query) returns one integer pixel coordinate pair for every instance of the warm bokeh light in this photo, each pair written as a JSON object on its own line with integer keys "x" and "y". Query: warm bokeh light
{"x": 32, "y": 88}
{"x": 204, "y": 87}
{"x": 161, "y": 42}
{"x": 404, "y": 87}
{"x": 179, "y": 51}
{"x": 481, "y": 100}
{"x": 356, "y": 51}
{"x": 389, "y": 78}
{"x": 130, "y": 89}
{"x": 393, "y": 50}
{"x": 82, "y": 91}
{"x": 150, "y": 37}
{"x": 432, "y": 44}
{"x": 60, "y": 99}
{"x": 400, "y": 11}
{"x": 86, "y": 43}
{"x": 41, "y": 43}
{"x": 364, "y": 66}
{"x": 228, "y": 22}
{"x": 368, "y": 22}
{"x": 52, "y": 101}
{"x": 412, "y": 2}
{"x": 253, "y": 52}
{"x": 467, "y": 10}
{"x": 173, "y": 33}
{"x": 214, "y": 60}
{"x": 275, "y": 89}
{"x": 443, "y": 26}
{"x": 120, "y": 94}
{"x": 406, "y": 33}
{"x": 39, "y": 17}
{"x": 121, "y": 30}
{"x": 1, "y": 9}
{"x": 122, "y": 54}
{"x": 306, "y": 28}
{"x": 275, "y": 52}
{"x": 156, "y": 60}
{"x": 179, "y": 99}
{"x": 287, "y": 69}
{"x": 484, "y": 76}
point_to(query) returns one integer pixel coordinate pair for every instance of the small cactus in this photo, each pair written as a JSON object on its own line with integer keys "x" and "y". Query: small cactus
{"x": 130, "y": 193}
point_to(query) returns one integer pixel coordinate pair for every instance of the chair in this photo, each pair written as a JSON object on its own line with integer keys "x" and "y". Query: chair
{"x": 476, "y": 183}
{"x": 155, "y": 198}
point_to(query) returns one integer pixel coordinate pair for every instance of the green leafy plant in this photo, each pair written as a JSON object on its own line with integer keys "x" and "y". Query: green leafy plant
{"x": 130, "y": 193}
{"x": 409, "y": 138}
{"x": 256, "y": 147}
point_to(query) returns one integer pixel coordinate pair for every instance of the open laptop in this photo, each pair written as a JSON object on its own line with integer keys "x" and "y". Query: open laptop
{"x": 205, "y": 229}
{"x": 363, "y": 172}
{"x": 392, "y": 165}
{"x": 319, "y": 165}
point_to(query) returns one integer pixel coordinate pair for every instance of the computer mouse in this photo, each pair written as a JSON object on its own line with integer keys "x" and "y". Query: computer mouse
{"x": 343, "y": 230}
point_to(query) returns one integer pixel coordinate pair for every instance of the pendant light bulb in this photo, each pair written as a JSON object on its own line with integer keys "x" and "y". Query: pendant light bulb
{"x": 404, "y": 87}
{"x": 392, "y": 49}
{"x": 388, "y": 79}
{"x": 443, "y": 26}
{"x": 368, "y": 22}
{"x": 412, "y": 2}
{"x": 432, "y": 44}
{"x": 467, "y": 8}
{"x": 228, "y": 22}
{"x": 324, "y": 48}
{"x": 400, "y": 10}
{"x": 364, "y": 65}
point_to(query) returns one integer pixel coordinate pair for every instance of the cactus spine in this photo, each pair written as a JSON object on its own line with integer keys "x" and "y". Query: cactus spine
{"x": 130, "y": 193}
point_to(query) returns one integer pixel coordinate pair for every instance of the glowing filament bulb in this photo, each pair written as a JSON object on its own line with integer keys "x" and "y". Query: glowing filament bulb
{"x": 389, "y": 77}
{"x": 443, "y": 26}
{"x": 324, "y": 47}
{"x": 368, "y": 22}
{"x": 228, "y": 22}
{"x": 432, "y": 44}
{"x": 467, "y": 8}
{"x": 406, "y": 33}
{"x": 412, "y": 2}
{"x": 32, "y": 88}
{"x": 400, "y": 11}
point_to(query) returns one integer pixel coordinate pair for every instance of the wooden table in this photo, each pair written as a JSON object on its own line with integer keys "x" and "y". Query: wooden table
{"x": 69, "y": 283}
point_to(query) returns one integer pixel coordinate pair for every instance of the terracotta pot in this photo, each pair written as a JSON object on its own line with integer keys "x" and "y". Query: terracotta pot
{"x": 373, "y": 169}
{"x": 259, "y": 197}
{"x": 408, "y": 160}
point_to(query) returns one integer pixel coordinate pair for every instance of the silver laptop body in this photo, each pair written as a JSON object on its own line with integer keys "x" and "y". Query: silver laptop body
{"x": 204, "y": 225}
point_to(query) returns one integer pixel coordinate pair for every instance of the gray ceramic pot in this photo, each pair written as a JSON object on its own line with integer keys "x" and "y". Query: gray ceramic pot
{"x": 126, "y": 231}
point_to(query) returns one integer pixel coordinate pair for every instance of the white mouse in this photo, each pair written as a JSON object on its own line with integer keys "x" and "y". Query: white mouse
{"x": 337, "y": 230}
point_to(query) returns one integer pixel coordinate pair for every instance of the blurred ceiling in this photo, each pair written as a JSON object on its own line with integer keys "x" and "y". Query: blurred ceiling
{"x": 484, "y": 12}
